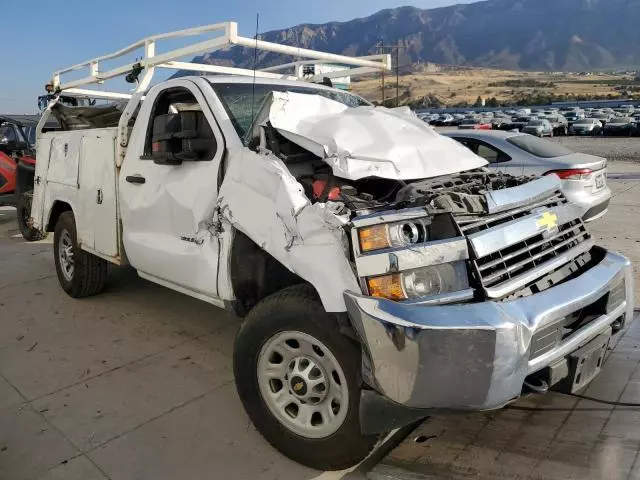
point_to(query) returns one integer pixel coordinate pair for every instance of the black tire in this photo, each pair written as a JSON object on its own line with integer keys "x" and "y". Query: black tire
{"x": 299, "y": 309}
{"x": 89, "y": 272}
{"x": 23, "y": 213}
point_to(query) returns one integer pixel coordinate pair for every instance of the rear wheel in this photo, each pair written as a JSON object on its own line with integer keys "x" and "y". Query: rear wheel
{"x": 23, "y": 208}
{"x": 80, "y": 273}
{"x": 299, "y": 380}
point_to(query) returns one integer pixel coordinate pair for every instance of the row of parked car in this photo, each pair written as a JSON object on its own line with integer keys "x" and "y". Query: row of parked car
{"x": 546, "y": 123}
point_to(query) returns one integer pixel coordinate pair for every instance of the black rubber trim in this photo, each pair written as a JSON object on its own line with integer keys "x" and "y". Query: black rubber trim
{"x": 379, "y": 414}
{"x": 598, "y": 209}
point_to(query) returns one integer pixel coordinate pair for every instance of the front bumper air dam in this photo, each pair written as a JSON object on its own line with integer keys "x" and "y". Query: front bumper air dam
{"x": 476, "y": 356}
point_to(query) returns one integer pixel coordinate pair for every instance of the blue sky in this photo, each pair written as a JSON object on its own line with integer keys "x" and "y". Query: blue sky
{"x": 41, "y": 36}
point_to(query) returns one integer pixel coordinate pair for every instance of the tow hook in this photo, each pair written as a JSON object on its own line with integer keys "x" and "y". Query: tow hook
{"x": 536, "y": 385}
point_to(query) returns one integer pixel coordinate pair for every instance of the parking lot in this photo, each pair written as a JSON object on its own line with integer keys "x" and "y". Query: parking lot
{"x": 136, "y": 384}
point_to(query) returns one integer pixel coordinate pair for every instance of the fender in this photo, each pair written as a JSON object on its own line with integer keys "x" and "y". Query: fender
{"x": 53, "y": 212}
{"x": 261, "y": 198}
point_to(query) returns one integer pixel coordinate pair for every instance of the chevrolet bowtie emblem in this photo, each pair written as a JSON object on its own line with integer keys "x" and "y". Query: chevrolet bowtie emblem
{"x": 548, "y": 221}
{"x": 298, "y": 386}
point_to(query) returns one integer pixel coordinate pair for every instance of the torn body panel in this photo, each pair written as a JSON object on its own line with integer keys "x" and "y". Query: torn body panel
{"x": 261, "y": 198}
{"x": 364, "y": 141}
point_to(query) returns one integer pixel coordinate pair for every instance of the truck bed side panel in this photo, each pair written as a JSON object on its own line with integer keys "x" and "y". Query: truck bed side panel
{"x": 82, "y": 173}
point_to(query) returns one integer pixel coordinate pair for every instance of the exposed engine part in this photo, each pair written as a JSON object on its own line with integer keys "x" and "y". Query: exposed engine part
{"x": 356, "y": 196}
{"x": 462, "y": 193}
{"x": 458, "y": 194}
{"x": 323, "y": 191}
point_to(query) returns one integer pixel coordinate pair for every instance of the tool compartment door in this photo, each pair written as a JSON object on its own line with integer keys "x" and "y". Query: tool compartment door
{"x": 97, "y": 208}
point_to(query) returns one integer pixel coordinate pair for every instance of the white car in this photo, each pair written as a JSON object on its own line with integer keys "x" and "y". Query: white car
{"x": 584, "y": 177}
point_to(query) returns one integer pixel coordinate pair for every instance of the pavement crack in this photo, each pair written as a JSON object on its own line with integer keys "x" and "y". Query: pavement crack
{"x": 167, "y": 412}
{"x": 119, "y": 367}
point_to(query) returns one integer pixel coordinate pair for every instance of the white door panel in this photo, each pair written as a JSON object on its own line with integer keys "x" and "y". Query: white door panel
{"x": 65, "y": 153}
{"x": 167, "y": 220}
{"x": 97, "y": 209}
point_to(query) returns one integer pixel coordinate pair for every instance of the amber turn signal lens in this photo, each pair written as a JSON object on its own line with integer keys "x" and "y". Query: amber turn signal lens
{"x": 387, "y": 286}
{"x": 374, "y": 238}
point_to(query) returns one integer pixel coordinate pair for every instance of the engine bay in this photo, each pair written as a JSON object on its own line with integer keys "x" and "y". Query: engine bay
{"x": 461, "y": 193}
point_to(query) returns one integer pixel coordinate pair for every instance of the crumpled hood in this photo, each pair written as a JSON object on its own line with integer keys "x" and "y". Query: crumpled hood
{"x": 366, "y": 141}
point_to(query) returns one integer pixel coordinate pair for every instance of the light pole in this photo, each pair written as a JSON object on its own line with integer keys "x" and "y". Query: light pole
{"x": 392, "y": 48}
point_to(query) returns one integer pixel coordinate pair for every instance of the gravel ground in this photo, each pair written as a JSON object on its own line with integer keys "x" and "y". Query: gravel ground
{"x": 622, "y": 149}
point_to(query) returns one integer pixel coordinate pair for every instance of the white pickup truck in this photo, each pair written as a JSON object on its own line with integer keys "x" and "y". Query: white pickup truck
{"x": 381, "y": 270}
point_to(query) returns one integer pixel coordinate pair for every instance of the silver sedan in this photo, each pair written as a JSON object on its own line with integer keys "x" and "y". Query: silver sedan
{"x": 584, "y": 176}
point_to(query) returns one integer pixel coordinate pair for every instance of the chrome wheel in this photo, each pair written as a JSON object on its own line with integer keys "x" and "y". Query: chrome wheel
{"x": 303, "y": 384}
{"x": 65, "y": 255}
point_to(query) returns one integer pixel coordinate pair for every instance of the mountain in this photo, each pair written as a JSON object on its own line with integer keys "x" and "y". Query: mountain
{"x": 569, "y": 35}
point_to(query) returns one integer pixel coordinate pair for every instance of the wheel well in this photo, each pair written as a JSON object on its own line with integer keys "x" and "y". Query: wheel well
{"x": 58, "y": 209}
{"x": 255, "y": 274}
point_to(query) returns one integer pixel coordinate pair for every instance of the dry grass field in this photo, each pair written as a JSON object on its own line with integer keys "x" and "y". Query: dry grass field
{"x": 453, "y": 87}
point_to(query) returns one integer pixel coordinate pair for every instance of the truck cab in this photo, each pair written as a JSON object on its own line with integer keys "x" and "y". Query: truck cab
{"x": 380, "y": 269}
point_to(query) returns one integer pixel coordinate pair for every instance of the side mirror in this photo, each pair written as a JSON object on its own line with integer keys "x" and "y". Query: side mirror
{"x": 8, "y": 145}
{"x": 180, "y": 137}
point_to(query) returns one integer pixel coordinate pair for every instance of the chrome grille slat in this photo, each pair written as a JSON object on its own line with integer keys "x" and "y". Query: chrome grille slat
{"x": 488, "y": 280}
{"x": 528, "y": 248}
{"x": 466, "y": 224}
{"x": 504, "y": 236}
{"x": 501, "y": 266}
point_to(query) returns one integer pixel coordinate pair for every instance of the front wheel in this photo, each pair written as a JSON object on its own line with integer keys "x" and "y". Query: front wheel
{"x": 299, "y": 380}
{"x": 80, "y": 273}
{"x": 23, "y": 211}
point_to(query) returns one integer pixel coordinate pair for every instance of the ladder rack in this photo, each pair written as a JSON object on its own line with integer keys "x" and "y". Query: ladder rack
{"x": 226, "y": 35}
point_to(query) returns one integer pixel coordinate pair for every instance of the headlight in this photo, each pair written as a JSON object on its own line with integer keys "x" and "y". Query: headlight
{"x": 420, "y": 282}
{"x": 399, "y": 234}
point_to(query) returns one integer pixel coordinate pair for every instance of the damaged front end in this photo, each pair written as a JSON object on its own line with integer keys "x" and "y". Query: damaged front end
{"x": 503, "y": 286}
{"x": 489, "y": 287}
{"x": 461, "y": 283}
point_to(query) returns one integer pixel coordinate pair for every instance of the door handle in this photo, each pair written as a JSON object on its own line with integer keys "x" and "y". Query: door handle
{"x": 139, "y": 179}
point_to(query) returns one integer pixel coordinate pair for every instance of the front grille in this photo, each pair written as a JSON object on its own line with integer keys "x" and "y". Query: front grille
{"x": 476, "y": 223}
{"x": 497, "y": 269}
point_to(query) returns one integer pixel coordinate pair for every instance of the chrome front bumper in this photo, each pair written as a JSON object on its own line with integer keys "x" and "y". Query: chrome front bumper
{"x": 476, "y": 356}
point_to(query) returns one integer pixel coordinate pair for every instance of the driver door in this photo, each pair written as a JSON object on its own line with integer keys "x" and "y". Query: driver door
{"x": 168, "y": 206}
